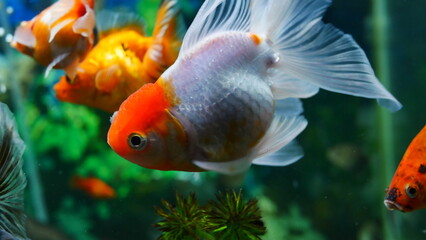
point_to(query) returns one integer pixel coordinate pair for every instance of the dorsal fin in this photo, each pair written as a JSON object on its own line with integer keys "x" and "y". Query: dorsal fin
{"x": 217, "y": 16}
{"x": 108, "y": 22}
{"x": 168, "y": 34}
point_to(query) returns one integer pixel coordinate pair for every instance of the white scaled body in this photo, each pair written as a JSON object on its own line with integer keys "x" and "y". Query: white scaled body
{"x": 224, "y": 94}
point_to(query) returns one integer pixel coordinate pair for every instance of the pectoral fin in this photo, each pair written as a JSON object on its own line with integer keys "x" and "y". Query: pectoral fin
{"x": 107, "y": 79}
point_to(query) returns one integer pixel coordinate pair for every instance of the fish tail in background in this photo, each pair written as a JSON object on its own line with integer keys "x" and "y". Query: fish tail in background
{"x": 168, "y": 33}
{"x": 12, "y": 178}
{"x": 310, "y": 50}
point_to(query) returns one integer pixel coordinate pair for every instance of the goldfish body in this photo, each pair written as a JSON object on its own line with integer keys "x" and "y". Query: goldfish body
{"x": 407, "y": 190}
{"x": 94, "y": 187}
{"x": 60, "y": 36}
{"x": 123, "y": 60}
{"x": 12, "y": 179}
{"x": 216, "y": 107}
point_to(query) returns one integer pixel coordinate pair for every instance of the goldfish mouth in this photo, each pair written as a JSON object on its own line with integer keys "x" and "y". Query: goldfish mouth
{"x": 393, "y": 205}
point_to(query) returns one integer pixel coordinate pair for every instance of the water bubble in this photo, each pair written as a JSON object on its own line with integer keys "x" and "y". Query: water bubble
{"x": 3, "y": 88}
{"x": 9, "y": 10}
{"x": 2, "y": 31}
{"x": 9, "y": 38}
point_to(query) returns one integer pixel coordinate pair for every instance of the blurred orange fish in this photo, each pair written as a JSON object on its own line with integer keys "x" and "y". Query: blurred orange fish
{"x": 60, "y": 36}
{"x": 94, "y": 187}
{"x": 124, "y": 59}
{"x": 407, "y": 190}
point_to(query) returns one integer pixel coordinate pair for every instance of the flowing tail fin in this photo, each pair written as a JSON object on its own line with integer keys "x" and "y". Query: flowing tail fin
{"x": 312, "y": 51}
{"x": 12, "y": 179}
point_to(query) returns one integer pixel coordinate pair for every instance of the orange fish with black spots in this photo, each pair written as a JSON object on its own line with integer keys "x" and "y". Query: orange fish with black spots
{"x": 124, "y": 59}
{"x": 60, "y": 36}
{"x": 407, "y": 190}
{"x": 94, "y": 187}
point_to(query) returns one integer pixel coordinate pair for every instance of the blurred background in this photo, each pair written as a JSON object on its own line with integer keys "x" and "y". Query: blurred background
{"x": 336, "y": 191}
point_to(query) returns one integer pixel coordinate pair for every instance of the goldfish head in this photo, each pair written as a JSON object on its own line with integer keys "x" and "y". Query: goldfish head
{"x": 82, "y": 89}
{"x": 407, "y": 191}
{"x": 75, "y": 90}
{"x": 144, "y": 131}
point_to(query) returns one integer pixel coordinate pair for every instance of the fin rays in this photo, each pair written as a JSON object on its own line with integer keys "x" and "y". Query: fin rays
{"x": 12, "y": 179}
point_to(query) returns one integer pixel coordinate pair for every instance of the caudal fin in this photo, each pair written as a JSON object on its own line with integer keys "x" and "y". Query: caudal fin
{"x": 312, "y": 51}
{"x": 12, "y": 179}
{"x": 311, "y": 54}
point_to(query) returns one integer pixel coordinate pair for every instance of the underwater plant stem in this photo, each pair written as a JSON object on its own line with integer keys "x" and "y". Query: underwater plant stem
{"x": 386, "y": 163}
{"x": 30, "y": 165}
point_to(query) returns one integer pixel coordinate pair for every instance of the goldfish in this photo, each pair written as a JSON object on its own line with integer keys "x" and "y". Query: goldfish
{"x": 94, "y": 187}
{"x": 407, "y": 191}
{"x": 12, "y": 178}
{"x": 60, "y": 36}
{"x": 124, "y": 59}
{"x": 225, "y": 102}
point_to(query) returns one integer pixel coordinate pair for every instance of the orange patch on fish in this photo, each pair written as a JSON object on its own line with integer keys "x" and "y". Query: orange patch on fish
{"x": 256, "y": 39}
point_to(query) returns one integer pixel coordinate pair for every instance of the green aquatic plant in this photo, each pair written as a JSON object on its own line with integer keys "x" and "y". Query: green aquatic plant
{"x": 230, "y": 217}
{"x": 227, "y": 217}
{"x": 185, "y": 220}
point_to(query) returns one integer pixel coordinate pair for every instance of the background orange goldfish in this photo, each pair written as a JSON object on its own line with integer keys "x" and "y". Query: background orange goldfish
{"x": 407, "y": 190}
{"x": 60, "y": 36}
{"x": 94, "y": 187}
{"x": 124, "y": 59}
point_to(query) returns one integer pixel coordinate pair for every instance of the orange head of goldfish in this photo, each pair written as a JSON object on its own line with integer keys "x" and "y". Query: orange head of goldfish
{"x": 407, "y": 190}
{"x": 144, "y": 132}
{"x": 406, "y": 193}
{"x": 82, "y": 90}
{"x": 74, "y": 89}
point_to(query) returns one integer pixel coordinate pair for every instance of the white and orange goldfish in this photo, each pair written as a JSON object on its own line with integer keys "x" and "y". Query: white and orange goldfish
{"x": 407, "y": 190}
{"x": 215, "y": 108}
{"x": 124, "y": 58}
{"x": 60, "y": 36}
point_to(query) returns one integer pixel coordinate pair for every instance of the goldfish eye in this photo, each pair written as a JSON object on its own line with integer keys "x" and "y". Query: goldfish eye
{"x": 137, "y": 141}
{"x": 410, "y": 191}
{"x": 68, "y": 79}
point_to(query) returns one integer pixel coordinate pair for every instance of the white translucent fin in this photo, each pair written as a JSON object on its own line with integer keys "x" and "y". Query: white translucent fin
{"x": 312, "y": 51}
{"x": 282, "y": 131}
{"x": 217, "y": 16}
{"x": 290, "y": 152}
{"x": 24, "y": 35}
{"x": 109, "y": 21}
{"x": 86, "y": 23}
{"x": 228, "y": 168}
{"x": 285, "y": 86}
{"x": 12, "y": 179}
{"x": 52, "y": 14}
{"x": 289, "y": 107}
{"x": 169, "y": 27}
{"x": 54, "y": 62}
